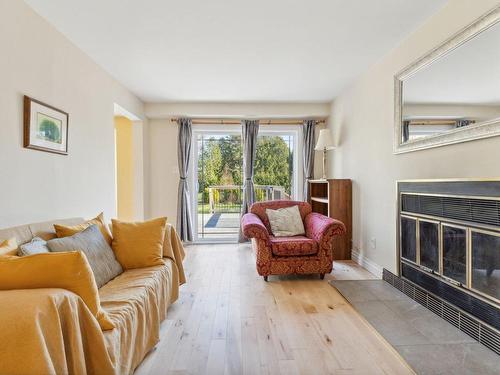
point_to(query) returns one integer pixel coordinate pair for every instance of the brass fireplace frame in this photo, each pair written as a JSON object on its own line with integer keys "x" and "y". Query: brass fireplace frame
{"x": 441, "y": 222}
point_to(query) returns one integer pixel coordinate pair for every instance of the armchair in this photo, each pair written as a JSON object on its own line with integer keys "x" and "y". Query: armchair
{"x": 307, "y": 254}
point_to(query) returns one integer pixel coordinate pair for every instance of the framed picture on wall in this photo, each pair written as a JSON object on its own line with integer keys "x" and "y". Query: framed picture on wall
{"x": 45, "y": 127}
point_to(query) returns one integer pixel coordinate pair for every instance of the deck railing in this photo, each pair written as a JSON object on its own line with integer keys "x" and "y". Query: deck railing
{"x": 228, "y": 198}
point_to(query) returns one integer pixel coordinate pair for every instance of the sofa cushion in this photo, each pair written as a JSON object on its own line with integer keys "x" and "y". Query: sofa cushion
{"x": 45, "y": 229}
{"x": 8, "y": 247}
{"x": 69, "y": 271}
{"x": 99, "y": 254}
{"x": 139, "y": 244}
{"x": 66, "y": 231}
{"x": 36, "y": 246}
{"x": 21, "y": 233}
{"x": 293, "y": 246}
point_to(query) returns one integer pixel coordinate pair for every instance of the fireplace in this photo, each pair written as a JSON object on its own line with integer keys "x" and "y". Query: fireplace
{"x": 449, "y": 249}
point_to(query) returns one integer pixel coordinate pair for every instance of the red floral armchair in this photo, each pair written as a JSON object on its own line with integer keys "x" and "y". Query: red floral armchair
{"x": 307, "y": 254}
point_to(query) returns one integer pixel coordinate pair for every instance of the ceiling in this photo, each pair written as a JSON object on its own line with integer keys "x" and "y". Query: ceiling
{"x": 234, "y": 50}
{"x": 469, "y": 74}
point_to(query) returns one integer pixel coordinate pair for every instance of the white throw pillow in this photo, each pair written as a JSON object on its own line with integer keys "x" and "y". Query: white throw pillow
{"x": 286, "y": 222}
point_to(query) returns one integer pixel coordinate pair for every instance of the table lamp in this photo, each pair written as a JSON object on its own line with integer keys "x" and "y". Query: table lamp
{"x": 325, "y": 143}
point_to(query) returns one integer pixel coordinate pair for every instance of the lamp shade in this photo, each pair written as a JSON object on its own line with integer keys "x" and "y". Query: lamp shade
{"x": 325, "y": 140}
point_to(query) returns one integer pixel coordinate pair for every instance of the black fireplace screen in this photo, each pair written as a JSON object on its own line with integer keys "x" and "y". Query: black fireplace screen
{"x": 449, "y": 242}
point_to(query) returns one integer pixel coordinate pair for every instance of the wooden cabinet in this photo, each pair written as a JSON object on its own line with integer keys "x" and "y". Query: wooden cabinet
{"x": 333, "y": 198}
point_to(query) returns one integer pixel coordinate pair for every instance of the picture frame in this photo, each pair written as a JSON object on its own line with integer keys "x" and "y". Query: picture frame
{"x": 45, "y": 127}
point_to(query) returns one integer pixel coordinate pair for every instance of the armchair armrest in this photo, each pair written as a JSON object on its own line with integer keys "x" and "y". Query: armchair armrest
{"x": 320, "y": 227}
{"x": 253, "y": 227}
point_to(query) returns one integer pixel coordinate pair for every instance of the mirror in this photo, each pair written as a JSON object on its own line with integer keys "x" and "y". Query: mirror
{"x": 452, "y": 94}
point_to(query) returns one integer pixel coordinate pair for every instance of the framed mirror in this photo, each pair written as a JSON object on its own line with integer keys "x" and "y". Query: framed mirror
{"x": 452, "y": 94}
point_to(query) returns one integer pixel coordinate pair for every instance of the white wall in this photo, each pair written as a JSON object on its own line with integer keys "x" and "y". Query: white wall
{"x": 38, "y": 61}
{"x": 363, "y": 120}
{"x": 163, "y": 170}
{"x": 161, "y": 149}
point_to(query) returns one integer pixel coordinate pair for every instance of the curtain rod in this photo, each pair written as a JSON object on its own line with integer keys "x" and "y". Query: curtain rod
{"x": 432, "y": 122}
{"x": 211, "y": 121}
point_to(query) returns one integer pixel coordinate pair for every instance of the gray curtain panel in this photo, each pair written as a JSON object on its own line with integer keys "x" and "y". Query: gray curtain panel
{"x": 250, "y": 130}
{"x": 184, "y": 226}
{"x": 308, "y": 131}
{"x": 406, "y": 131}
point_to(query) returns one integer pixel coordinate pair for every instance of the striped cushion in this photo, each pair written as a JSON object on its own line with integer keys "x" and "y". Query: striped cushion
{"x": 91, "y": 242}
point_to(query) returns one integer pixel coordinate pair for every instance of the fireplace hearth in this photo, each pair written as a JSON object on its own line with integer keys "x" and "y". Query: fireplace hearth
{"x": 449, "y": 244}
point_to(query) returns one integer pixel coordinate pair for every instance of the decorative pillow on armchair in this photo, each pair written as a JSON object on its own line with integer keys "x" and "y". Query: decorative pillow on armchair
{"x": 286, "y": 222}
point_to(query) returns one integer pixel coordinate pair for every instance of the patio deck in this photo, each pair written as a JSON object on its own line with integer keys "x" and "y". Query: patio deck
{"x": 218, "y": 225}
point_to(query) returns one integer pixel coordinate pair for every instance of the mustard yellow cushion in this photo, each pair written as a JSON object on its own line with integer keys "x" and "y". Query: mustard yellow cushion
{"x": 69, "y": 271}
{"x": 139, "y": 244}
{"x": 66, "y": 231}
{"x": 8, "y": 247}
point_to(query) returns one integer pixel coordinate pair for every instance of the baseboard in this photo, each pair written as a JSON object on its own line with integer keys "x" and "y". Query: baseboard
{"x": 366, "y": 263}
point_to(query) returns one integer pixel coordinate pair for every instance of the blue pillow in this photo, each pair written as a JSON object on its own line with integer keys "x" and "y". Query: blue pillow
{"x": 35, "y": 246}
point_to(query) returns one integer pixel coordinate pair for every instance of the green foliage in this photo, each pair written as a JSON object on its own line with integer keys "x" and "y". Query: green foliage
{"x": 232, "y": 156}
{"x": 221, "y": 162}
{"x": 210, "y": 164}
{"x": 273, "y": 163}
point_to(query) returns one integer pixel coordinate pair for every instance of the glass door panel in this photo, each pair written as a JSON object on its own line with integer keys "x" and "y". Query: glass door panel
{"x": 486, "y": 263}
{"x": 455, "y": 253}
{"x": 409, "y": 238}
{"x": 429, "y": 244}
{"x": 274, "y": 175}
{"x": 219, "y": 177}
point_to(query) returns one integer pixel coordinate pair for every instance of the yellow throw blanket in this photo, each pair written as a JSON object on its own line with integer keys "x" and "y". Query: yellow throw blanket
{"x": 173, "y": 249}
{"x": 51, "y": 331}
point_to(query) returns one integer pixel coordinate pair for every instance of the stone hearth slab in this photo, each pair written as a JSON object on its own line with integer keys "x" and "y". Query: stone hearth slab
{"x": 429, "y": 344}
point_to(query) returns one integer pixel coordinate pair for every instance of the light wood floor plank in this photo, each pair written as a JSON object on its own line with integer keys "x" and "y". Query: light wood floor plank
{"x": 216, "y": 357}
{"x": 229, "y": 321}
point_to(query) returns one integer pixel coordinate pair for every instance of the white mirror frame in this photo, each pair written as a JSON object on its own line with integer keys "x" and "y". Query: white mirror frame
{"x": 479, "y": 130}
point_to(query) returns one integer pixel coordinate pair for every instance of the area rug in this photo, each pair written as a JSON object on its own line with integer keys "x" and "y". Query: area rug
{"x": 429, "y": 344}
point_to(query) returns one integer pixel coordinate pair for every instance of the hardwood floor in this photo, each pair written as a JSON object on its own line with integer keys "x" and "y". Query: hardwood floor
{"x": 229, "y": 321}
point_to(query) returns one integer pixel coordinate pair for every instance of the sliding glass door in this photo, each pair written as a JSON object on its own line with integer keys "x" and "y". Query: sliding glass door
{"x": 217, "y": 178}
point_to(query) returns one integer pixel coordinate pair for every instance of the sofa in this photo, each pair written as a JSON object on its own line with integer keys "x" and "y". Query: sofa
{"x": 309, "y": 254}
{"x": 51, "y": 331}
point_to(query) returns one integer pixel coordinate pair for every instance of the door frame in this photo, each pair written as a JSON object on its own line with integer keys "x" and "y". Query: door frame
{"x": 297, "y": 177}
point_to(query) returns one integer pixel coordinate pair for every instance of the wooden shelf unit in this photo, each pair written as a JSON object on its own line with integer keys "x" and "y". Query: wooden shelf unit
{"x": 333, "y": 198}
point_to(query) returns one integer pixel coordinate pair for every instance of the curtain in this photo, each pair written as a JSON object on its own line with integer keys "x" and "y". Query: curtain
{"x": 406, "y": 131}
{"x": 250, "y": 130}
{"x": 184, "y": 226}
{"x": 308, "y": 132}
